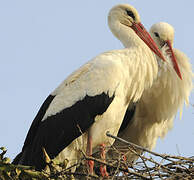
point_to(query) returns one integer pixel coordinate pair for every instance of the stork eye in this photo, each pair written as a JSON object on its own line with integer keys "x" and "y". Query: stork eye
{"x": 156, "y": 34}
{"x": 130, "y": 13}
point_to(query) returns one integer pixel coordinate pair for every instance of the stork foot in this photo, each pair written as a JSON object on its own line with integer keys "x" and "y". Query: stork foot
{"x": 102, "y": 154}
{"x": 103, "y": 170}
{"x": 91, "y": 166}
{"x": 90, "y": 163}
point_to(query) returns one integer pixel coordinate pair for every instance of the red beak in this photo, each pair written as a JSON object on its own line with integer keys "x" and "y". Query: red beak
{"x": 145, "y": 36}
{"x": 173, "y": 58}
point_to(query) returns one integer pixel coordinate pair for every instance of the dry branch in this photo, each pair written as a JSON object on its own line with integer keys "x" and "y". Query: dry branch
{"x": 150, "y": 165}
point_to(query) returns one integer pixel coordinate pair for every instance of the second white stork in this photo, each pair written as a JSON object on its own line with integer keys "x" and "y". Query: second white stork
{"x": 152, "y": 117}
{"x": 94, "y": 99}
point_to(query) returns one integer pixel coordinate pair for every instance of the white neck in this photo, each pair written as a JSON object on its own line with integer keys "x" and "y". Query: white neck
{"x": 126, "y": 35}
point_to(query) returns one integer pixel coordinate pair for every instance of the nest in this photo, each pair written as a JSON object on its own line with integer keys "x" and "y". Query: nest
{"x": 150, "y": 165}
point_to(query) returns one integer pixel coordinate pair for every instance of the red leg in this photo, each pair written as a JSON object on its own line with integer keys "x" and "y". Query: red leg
{"x": 90, "y": 163}
{"x": 125, "y": 159}
{"x": 103, "y": 156}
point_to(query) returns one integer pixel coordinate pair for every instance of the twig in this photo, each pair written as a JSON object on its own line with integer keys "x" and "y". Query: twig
{"x": 76, "y": 174}
{"x": 138, "y": 147}
{"x": 114, "y": 167}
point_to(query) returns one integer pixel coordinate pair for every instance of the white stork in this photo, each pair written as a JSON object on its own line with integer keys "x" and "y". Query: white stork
{"x": 152, "y": 117}
{"x": 94, "y": 99}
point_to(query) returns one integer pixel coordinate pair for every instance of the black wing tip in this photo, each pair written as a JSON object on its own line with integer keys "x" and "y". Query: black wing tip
{"x": 16, "y": 160}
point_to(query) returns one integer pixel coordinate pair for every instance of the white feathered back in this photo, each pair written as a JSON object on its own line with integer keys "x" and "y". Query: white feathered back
{"x": 156, "y": 110}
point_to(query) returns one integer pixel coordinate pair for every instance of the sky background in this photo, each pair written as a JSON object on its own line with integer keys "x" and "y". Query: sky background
{"x": 43, "y": 41}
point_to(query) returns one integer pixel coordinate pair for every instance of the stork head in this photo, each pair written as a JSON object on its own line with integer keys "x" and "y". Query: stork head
{"x": 163, "y": 34}
{"x": 124, "y": 21}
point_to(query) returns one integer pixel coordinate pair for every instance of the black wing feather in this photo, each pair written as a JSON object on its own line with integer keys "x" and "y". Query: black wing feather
{"x": 129, "y": 114}
{"x": 57, "y": 131}
{"x": 37, "y": 120}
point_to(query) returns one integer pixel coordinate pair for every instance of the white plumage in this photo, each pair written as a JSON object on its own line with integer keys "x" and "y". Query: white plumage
{"x": 94, "y": 99}
{"x": 137, "y": 66}
{"x": 156, "y": 109}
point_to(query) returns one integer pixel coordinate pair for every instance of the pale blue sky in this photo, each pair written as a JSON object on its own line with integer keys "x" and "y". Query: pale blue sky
{"x": 43, "y": 41}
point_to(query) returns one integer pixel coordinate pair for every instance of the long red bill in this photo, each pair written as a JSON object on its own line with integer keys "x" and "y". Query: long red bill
{"x": 173, "y": 58}
{"x": 145, "y": 36}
